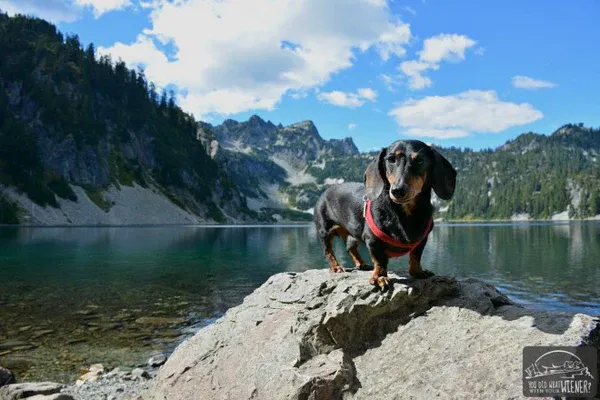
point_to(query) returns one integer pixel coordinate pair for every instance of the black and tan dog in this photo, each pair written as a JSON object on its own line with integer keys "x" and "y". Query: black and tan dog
{"x": 391, "y": 212}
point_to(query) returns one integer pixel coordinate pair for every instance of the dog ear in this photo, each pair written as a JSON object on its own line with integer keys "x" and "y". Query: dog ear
{"x": 444, "y": 176}
{"x": 375, "y": 176}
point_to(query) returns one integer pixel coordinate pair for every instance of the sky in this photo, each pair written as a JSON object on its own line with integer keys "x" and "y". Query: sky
{"x": 454, "y": 73}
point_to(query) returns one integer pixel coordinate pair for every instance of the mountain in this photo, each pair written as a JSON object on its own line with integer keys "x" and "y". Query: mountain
{"x": 85, "y": 140}
{"x": 271, "y": 163}
{"x": 534, "y": 176}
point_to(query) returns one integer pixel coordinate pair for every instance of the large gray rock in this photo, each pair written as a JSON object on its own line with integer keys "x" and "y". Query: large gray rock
{"x": 30, "y": 389}
{"x": 318, "y": 335}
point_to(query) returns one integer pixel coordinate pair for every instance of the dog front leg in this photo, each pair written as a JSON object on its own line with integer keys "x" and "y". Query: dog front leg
{"x": 415, "y": 269}
{"x": 380, "y": 263}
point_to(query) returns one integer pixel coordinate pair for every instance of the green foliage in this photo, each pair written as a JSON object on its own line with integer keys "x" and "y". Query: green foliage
{"x": 64, "y": 91}
{"x": 351, "y": 168}
{"x": 95, "y": 195}
{"x": 59, "y": 186}
{"x": 534, "y": 174}
{"x": 9, "y": 211}
{"x": 120, "y": 170}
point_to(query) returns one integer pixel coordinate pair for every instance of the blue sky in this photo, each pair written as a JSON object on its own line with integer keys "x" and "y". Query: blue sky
{"x": 456, "y": 73}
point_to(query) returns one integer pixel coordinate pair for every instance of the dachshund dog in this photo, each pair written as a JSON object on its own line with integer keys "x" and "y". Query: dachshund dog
{"x": 391, "y": 212}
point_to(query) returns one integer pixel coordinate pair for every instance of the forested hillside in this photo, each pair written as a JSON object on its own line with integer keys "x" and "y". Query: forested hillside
{"x": 68, "y": 116}
{"x": 534, "y": 174}
{"x": 75, "y": 125}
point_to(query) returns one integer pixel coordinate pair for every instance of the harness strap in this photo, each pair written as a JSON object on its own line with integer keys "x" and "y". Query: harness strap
{"x": 387, "y": 238}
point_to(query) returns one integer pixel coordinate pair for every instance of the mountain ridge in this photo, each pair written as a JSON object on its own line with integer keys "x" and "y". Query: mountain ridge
{"x": 78, "y": 132}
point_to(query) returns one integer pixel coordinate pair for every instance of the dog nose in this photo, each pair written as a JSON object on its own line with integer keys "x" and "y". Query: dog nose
{"x": 400, "y": 191}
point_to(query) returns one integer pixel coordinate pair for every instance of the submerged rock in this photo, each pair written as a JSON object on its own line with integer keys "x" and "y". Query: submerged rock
{"x": 159, "y": 321}
{"x": 12, "y": 344}
{"x": 39, "y": 334}
{"x": 6, "y": 377}
{"x": 318, "y": 335}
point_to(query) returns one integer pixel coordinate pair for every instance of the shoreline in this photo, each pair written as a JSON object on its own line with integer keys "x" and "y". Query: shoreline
{"x": 296, "y": 224}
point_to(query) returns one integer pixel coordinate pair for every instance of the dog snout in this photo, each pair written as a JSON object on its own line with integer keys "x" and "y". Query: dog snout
{"x": 400, "y": 191}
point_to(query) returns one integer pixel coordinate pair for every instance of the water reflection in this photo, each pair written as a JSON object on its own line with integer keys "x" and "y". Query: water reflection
{"x": 49, "y": 275}
{"x": 532, "y": 262}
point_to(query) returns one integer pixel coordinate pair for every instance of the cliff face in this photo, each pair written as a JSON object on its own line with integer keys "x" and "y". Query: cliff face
{"x": 299, "y": 143}
{"x": 317, "y": 335}
{"x": 271, "y": 163}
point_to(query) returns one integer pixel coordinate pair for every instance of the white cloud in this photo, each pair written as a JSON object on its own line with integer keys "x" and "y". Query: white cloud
{"x": 413, "y": 70}
{"x": 351, "y": 126}
{"x": 347, "y": 99}
{"x": 473, "y": 111}
{"x": 367, "y": 93}
{"x": 55, "y": 11}
{"x": 103, "y": 6}
{"x": 443, "y": 47}
{"x": 391, "y": 42}
{"x": 525, "y": 82}
{"x": 237, "y": 55}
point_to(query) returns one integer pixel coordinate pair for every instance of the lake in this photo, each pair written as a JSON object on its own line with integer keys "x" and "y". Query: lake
{"x": 71, "y": 297}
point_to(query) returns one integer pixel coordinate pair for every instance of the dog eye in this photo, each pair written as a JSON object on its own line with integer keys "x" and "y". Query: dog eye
{"x": 417, "y": 161}
{"x": 391, "y": 159}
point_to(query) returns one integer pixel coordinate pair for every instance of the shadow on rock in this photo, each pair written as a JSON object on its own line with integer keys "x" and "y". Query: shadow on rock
{"x": 317, "y": 335}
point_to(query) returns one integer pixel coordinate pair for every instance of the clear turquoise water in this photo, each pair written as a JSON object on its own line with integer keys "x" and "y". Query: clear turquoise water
{"x": 75, "y": 296}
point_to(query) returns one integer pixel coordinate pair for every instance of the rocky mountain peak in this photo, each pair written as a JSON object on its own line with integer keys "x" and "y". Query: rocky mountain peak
{"x": 307, "y": 125}
{"x": 257, "y": 121}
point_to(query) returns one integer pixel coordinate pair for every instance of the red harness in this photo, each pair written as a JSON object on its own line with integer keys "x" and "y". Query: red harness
{"x": 406, "y": 247}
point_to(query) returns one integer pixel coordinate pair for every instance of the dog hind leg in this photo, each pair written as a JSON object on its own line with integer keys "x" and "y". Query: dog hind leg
{"x": 352, "y": 247}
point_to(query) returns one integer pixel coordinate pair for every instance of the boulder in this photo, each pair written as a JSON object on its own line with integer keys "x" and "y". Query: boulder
{"x": 157, "y": 360}
{"x": 6, "y": 377}
{"x": 139, "y": 373}
{"x": 29, "y": 389}
{"x": 317, "y": 335}
{"x": 56, "y": 396}
{"x": 93, "y": 374}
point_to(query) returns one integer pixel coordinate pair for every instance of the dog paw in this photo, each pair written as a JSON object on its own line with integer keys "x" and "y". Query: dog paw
{"x": 364, "y": 267}
{"x": 423, "y": 274}
{"x": 382, "y": 281}
{"x": 337, "y": 268}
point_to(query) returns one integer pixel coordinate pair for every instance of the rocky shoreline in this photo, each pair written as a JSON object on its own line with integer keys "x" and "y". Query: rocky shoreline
{"x": 317, "y": 335}
{"x": 95, "y": 383}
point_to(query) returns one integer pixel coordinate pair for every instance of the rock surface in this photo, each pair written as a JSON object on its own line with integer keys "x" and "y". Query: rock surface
{"x": 157, "y": 360}
{"x": 56, "y": 396}
{"x": 321, "y": 336}
{"x": 118, "y": 384}
{"x": 29, "y": 389}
